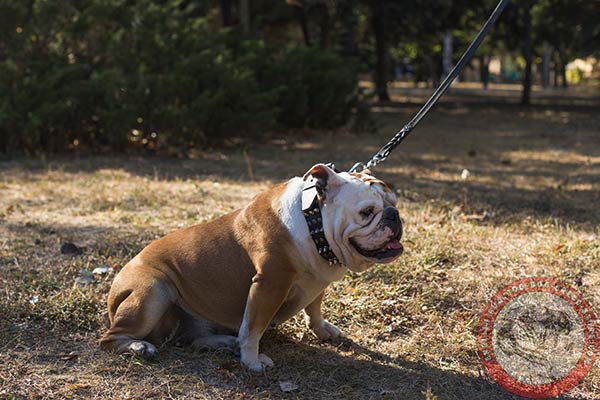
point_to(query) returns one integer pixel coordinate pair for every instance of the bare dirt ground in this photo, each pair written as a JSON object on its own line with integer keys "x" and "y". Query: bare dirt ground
{"x": 529, "y": 207}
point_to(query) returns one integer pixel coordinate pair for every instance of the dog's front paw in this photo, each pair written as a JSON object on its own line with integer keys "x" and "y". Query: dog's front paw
{"x": 326, "y": 331}
{"x": 258, "y": 365}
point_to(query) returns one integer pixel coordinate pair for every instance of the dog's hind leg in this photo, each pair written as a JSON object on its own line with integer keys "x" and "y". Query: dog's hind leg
{"x": 135, "y": 311}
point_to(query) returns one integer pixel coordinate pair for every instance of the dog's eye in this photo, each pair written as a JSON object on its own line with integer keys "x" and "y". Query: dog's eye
{"x": 366, "y": 212}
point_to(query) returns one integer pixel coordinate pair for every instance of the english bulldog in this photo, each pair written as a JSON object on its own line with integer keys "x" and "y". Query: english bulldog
{"x": 255, "y": 267}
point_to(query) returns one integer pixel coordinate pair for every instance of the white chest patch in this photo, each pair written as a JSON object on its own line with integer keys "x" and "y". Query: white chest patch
{"x": 308, "y": 259}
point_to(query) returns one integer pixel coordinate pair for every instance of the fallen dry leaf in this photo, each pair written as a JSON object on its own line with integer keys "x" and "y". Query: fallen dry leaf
{"x": 287, "y": 386}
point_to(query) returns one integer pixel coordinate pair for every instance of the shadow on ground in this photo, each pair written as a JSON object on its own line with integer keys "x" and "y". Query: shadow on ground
{"x": 318, "y": 371}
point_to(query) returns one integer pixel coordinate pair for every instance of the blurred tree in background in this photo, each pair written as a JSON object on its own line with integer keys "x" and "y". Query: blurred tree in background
{"x": 111, "y": 74}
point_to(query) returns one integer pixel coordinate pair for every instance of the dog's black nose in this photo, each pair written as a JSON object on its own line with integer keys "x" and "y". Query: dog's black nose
{"x": 392, "y": 219}
{"x": 391, "y": 214}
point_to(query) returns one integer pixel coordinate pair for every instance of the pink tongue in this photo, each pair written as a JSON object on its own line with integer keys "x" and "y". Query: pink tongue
{"x": 394, "y": 244}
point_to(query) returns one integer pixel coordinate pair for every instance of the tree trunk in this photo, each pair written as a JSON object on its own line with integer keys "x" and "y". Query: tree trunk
{"x": 226, "y": 13}
{"x": 245, "y": 16}
{"x": 556, "y": 69}
{"x": 435, "y": 70}
{"x": 447, "y": 63}
{"x": 324, "y": 25}
{"x": 381, "y": 50}
{"x": 547, "y": 54}
{"x": 300, "y": 15}
{"x": 348, "y": 26}
{"x": 484, "y": 71}
{"x": 432, "y": 74}
{"x": 563, "y": 72}
{"x": 527, "y": 54}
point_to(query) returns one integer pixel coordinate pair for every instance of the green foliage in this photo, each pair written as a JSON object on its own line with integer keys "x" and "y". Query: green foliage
{"x": 305, "y": 101}
{"x": 570, "y": 26}
{"x": 109, "y": 72}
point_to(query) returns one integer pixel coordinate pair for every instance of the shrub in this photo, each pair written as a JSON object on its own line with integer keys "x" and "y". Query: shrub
{"x": 322, "y": 90}
{"x": 91, "y": 72}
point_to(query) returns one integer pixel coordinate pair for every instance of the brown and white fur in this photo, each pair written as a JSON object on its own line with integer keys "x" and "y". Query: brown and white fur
{"x": 252, "y": 268}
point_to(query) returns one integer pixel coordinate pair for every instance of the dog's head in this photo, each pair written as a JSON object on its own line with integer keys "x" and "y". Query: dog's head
{"x": 360, "y": 218}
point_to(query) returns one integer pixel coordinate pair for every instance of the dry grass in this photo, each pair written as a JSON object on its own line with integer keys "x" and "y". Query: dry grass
{"x": 529, "y": 208}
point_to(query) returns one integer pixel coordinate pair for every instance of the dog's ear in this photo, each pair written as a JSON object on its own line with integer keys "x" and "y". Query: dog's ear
{"x": 325, "y": 178}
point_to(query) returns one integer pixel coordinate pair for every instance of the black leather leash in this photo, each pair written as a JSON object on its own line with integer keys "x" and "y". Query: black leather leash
{"x": 385, "y": 151}
{"x": 311, "y": 207}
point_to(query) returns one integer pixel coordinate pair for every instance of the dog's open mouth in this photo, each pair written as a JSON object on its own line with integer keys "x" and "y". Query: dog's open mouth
{"x": 391, "y": 249}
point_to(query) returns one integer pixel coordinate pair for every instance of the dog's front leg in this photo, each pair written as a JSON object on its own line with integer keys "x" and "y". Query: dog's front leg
{"x": 315, "y": 321}
{"x": 267, "y": 293}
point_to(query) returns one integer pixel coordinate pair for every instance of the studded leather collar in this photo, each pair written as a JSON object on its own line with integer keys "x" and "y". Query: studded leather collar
{"x": 312, "y": 213}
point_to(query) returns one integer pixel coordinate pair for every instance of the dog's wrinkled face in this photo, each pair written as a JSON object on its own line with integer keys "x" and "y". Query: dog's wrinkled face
{"x": 361, "y": 222}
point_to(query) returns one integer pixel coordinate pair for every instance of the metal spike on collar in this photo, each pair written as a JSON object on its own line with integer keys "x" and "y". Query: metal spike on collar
{"x": 314, "y": 220}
